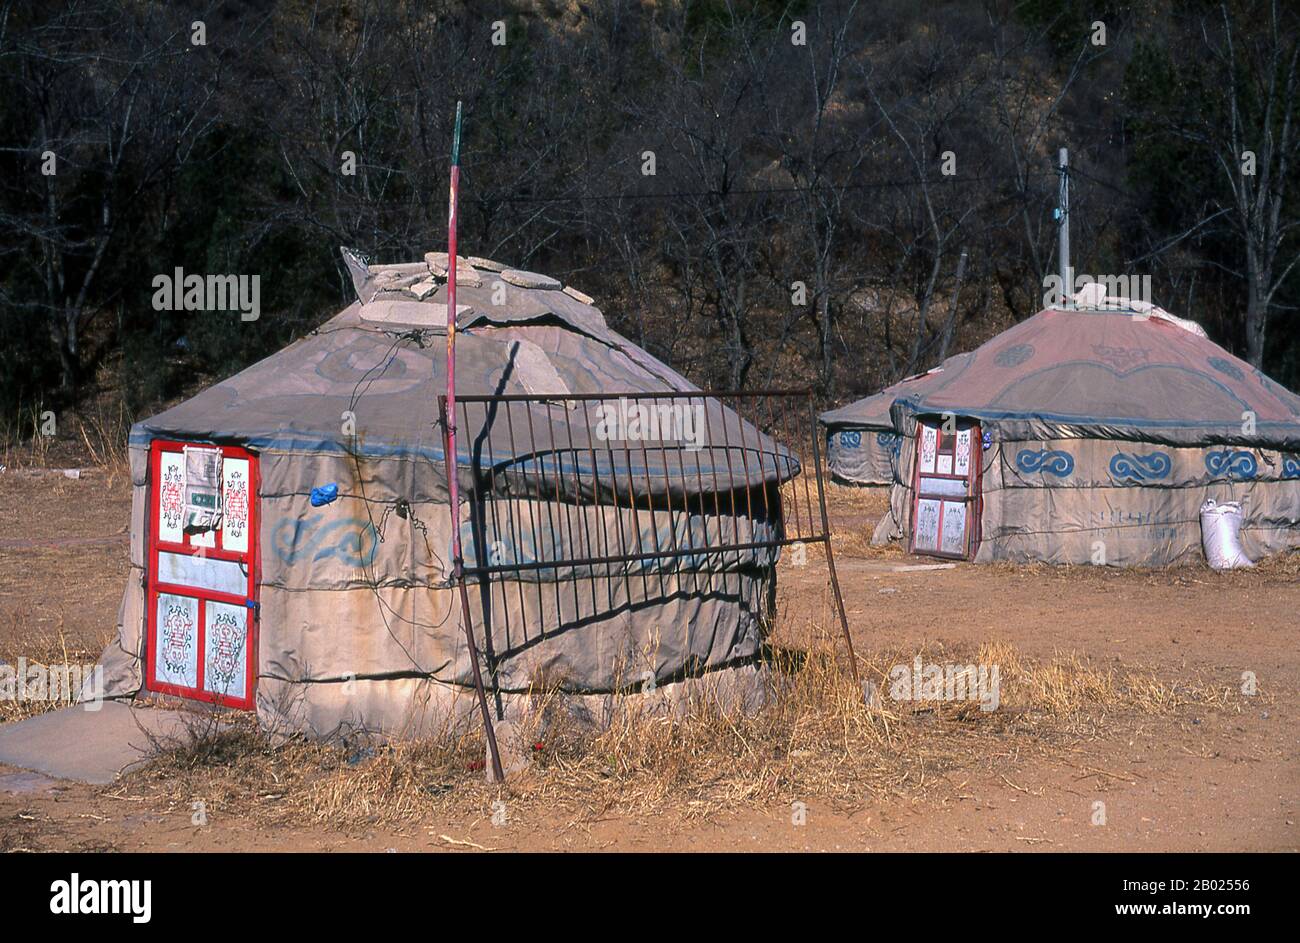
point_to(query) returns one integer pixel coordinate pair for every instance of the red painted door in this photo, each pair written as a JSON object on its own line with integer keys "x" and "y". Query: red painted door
{"x": 201, "y": 601}
{"x": 946, "y": 490}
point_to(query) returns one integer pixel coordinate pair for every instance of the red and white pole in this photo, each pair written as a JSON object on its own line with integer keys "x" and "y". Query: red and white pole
{"x": 453, "y": 483}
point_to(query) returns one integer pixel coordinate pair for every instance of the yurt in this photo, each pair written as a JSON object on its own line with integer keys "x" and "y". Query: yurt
{"x": 862, "y": 447}
{"x": 1094, "y": 434}
{"x": 290, "y": 545}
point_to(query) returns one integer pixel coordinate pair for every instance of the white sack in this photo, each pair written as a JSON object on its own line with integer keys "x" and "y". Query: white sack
{"x": 1221, "y": 535}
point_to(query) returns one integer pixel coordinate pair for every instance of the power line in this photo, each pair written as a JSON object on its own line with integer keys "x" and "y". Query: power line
{"x": 420, "y": 199}
{"x": 752, "y": 191}
{"x": 1076, "y": 172}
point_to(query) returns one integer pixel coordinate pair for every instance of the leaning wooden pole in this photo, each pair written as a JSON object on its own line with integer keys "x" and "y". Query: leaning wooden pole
{"x": 448, "y": 417}
{"x": 826, "y": 538}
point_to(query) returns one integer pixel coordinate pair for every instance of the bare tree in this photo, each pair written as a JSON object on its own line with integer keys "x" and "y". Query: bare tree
{"x": 106, "y": 131}
{"x": 1027, "y": 107}
{"x": 823, "y": 144}
{"x": 708, "y": 112}
{"x": 1256, "y": 150}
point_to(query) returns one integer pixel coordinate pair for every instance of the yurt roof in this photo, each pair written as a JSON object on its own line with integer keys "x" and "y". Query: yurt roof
{"x": 1109, "y": 374}
{"x": 382, "y": 359}
{"x": 872, "y": 412}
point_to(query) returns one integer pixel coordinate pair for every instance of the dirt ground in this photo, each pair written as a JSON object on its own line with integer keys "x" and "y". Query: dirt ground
{"x": 1192, "y": 779}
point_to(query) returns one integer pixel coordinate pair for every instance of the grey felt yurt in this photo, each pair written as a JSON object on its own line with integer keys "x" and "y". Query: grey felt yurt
{"x": 290, "y": 532}
{"x": 862, "y": 447}
{"x": 1094, "y": 434}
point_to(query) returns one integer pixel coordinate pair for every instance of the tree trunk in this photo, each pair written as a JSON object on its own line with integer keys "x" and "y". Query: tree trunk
{"x": 65, "y": 338}
{"x": 824, "y": 337}
{"x": 741, "y": 358}
{"x": 1256, "y": 318}
{"x": 951, "y": 323}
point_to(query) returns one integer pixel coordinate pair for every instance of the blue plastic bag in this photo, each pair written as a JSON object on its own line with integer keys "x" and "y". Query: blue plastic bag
{"x": 323, "y": 495}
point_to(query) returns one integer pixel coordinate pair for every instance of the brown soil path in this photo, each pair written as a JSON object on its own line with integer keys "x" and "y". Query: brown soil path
{"x": 1218, "y": 781}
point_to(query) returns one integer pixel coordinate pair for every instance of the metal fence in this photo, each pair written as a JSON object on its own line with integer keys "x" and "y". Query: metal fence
{"x": 576, "y": 498}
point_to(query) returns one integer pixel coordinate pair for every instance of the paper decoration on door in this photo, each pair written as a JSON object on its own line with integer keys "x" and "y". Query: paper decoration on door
{"x": 176, "y": 658}
{"x": 944, "y": 466}
{"x": 954, "y": 528}
{"x": 171, "y": 498}
{"x": 927, "y": 525}
{"x": 225, "y": 640}
{"x": 961, "y": 457}
{"x": 234, "y": 521}
{"x": 929, "y": 444}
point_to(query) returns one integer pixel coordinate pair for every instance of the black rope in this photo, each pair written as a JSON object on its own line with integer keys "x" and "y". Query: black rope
{"x": 401, "y": 506}
{"x": 423, "y": 201}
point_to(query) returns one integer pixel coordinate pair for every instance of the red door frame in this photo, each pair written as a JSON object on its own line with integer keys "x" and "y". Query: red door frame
{"x": 973, "y": 499}
{"x": 249, "y": 601}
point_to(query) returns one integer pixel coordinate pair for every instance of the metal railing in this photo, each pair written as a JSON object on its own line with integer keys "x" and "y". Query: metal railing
{"x": 575, "y": 497}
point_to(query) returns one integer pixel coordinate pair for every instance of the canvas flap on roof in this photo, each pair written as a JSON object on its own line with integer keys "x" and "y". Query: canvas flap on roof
{"x": 411, "y": 313}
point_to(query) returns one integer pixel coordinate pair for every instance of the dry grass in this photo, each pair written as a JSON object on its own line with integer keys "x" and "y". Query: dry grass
{"x": 46, "y": 649}
{"x": 105, "y": 432}
{"x": 235, "y": 767}
{"x": 816, "y": 739}
{"x": 21, "y": 441}
{"x": 93, "y": 435}
{"x": 856, "y": 511}
{"x": 1278, "y": 569}
{"x": 870, "y": 499}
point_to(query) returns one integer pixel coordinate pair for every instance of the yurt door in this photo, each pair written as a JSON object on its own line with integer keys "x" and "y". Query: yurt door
{"x": 202, "y": 563}
{"x": 946, "y": 489}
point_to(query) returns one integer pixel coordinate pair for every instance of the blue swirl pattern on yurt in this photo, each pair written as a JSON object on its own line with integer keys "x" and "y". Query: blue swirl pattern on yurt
{"x": 1226, "y": 367}
{"x": 1014, "y": 355}
{"x": 1227, "y": 463}
{"x": 353, "y": 540}
{"x": 1291, "y": 466}
{"x": 1133, "y": 467}
{"x": 1051, "y": 462}
{"x": 850, "y": 438}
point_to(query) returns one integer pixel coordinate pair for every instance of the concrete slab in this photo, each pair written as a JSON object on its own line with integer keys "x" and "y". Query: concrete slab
{"x": 23, "y": 782}
{"x": 87, "y": 746}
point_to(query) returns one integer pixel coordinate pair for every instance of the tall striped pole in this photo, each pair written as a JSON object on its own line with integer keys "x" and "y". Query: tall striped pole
{"x": 453, "y": 483}
{"x": 1063, "y": 230}
{"x": 451, "y": 317}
